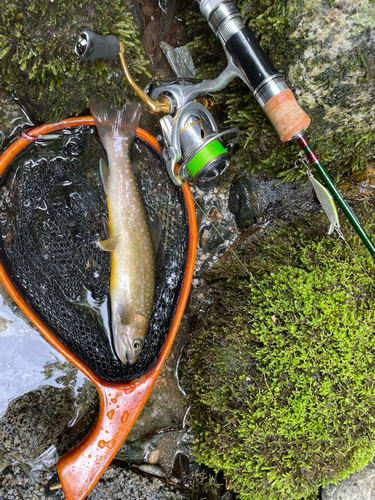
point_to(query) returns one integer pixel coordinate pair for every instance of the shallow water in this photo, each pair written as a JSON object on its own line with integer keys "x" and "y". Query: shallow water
{"x": 27, "y": 361}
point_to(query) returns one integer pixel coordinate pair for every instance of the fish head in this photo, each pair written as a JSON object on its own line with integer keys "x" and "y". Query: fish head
{"x": 129, "y": 338}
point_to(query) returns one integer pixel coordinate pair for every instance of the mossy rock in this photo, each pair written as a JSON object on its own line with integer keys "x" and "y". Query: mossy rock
{"x": 324, "y": 49}
{"x": 280, "y": 372}
{"x": 38, "y": 63}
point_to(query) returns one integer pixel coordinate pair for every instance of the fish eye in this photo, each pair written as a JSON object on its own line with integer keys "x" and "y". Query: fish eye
{"x": 137, "y": 344}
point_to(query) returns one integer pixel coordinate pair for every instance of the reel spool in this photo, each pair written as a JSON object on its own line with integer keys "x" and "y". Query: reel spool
{"x": 193, "y": 139}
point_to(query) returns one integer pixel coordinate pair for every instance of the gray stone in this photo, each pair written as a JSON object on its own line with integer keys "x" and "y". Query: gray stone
{"x": 212, "y": 236}
{"x": 153, "y": 470}
{"x": 358, "y": 486}
{"x": 179, "y": 59}
{"x": 117, "y": 483}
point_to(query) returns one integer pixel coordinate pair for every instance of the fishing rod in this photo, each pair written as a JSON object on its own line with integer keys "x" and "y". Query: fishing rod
{"x": 186, "y": 130}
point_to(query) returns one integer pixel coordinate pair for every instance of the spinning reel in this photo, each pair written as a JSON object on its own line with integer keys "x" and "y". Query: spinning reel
{"x": 186, "y": 132}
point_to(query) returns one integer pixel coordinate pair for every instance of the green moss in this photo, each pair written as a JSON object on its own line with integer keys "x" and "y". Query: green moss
{"x": 38, "y": 63}
{"x": 333, "y": 85}
{"x": 281, "y": 370}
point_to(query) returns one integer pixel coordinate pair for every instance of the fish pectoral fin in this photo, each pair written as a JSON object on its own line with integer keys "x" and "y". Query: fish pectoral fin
{"x": 140, "y": 320}
{"x": 104, "y": 172}
{"x": 109, "y": 245}
{"x": 127, "y": 315}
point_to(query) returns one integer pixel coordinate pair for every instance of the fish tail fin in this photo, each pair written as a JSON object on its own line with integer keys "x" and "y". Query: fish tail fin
{"x": 121, "y": 122}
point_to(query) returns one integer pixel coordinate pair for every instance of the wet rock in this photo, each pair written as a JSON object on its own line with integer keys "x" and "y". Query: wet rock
{"x": 116, "y": 483}
{"x": 240, "y": 202}
{"x": 153, "y": 456}
{"x": 48, "y": 415}
{"x": 284, "y": 201}
{"x": 153, "y": 470}
{"x": 214, "y": 214}
{"x": 358, "y": 486}
{"x": 179, "y": 59}
{"x": 159, "y": 24}
{"x": 212, "y": 236}
{"x": 33, "y": 421}
{"x": 359, "y": 185}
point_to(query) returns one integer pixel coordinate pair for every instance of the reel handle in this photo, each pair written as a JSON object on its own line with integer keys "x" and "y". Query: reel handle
{"x": 91, "y": 46}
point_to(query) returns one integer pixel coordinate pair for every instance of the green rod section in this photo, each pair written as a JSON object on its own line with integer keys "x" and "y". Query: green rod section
{"x": 314, "y": 160}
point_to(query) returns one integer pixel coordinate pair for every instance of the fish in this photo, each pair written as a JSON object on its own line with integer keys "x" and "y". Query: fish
{"x": 130, "y": 239}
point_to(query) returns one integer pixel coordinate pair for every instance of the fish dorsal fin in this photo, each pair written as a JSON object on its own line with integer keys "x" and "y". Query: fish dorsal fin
{"x": 104, "y": 172}
{"x": 108, "y": 245}
{"x": 127, "y": 315}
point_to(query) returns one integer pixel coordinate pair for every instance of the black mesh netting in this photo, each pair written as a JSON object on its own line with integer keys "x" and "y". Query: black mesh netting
{"x": 52, "y": 211}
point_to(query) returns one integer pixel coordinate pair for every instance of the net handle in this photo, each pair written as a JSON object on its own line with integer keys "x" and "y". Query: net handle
{"x": 120, "y": 403}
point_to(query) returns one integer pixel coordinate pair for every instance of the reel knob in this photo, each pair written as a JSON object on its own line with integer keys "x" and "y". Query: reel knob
{"x": 90, "y": 46}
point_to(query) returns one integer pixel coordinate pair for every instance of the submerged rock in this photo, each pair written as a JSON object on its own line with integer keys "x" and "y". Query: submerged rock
{"x": 153, "y": 470}
{"x": 212, "y": 236}
{"x": 33, "y": 421}
{"x": 46, "y": 416}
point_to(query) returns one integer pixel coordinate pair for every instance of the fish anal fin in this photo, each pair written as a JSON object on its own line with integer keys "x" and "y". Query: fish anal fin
{"x": 108, "y": 245}
{"x": 127, "y": 315}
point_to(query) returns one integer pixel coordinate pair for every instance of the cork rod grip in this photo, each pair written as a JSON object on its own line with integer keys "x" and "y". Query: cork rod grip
{"x": 286, "y": 115}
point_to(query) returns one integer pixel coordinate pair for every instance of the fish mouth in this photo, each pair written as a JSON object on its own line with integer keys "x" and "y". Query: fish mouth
{"x": 126, "y": 353}
{"x": 121, "y": 350}
{"x": 123, "y": 355}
